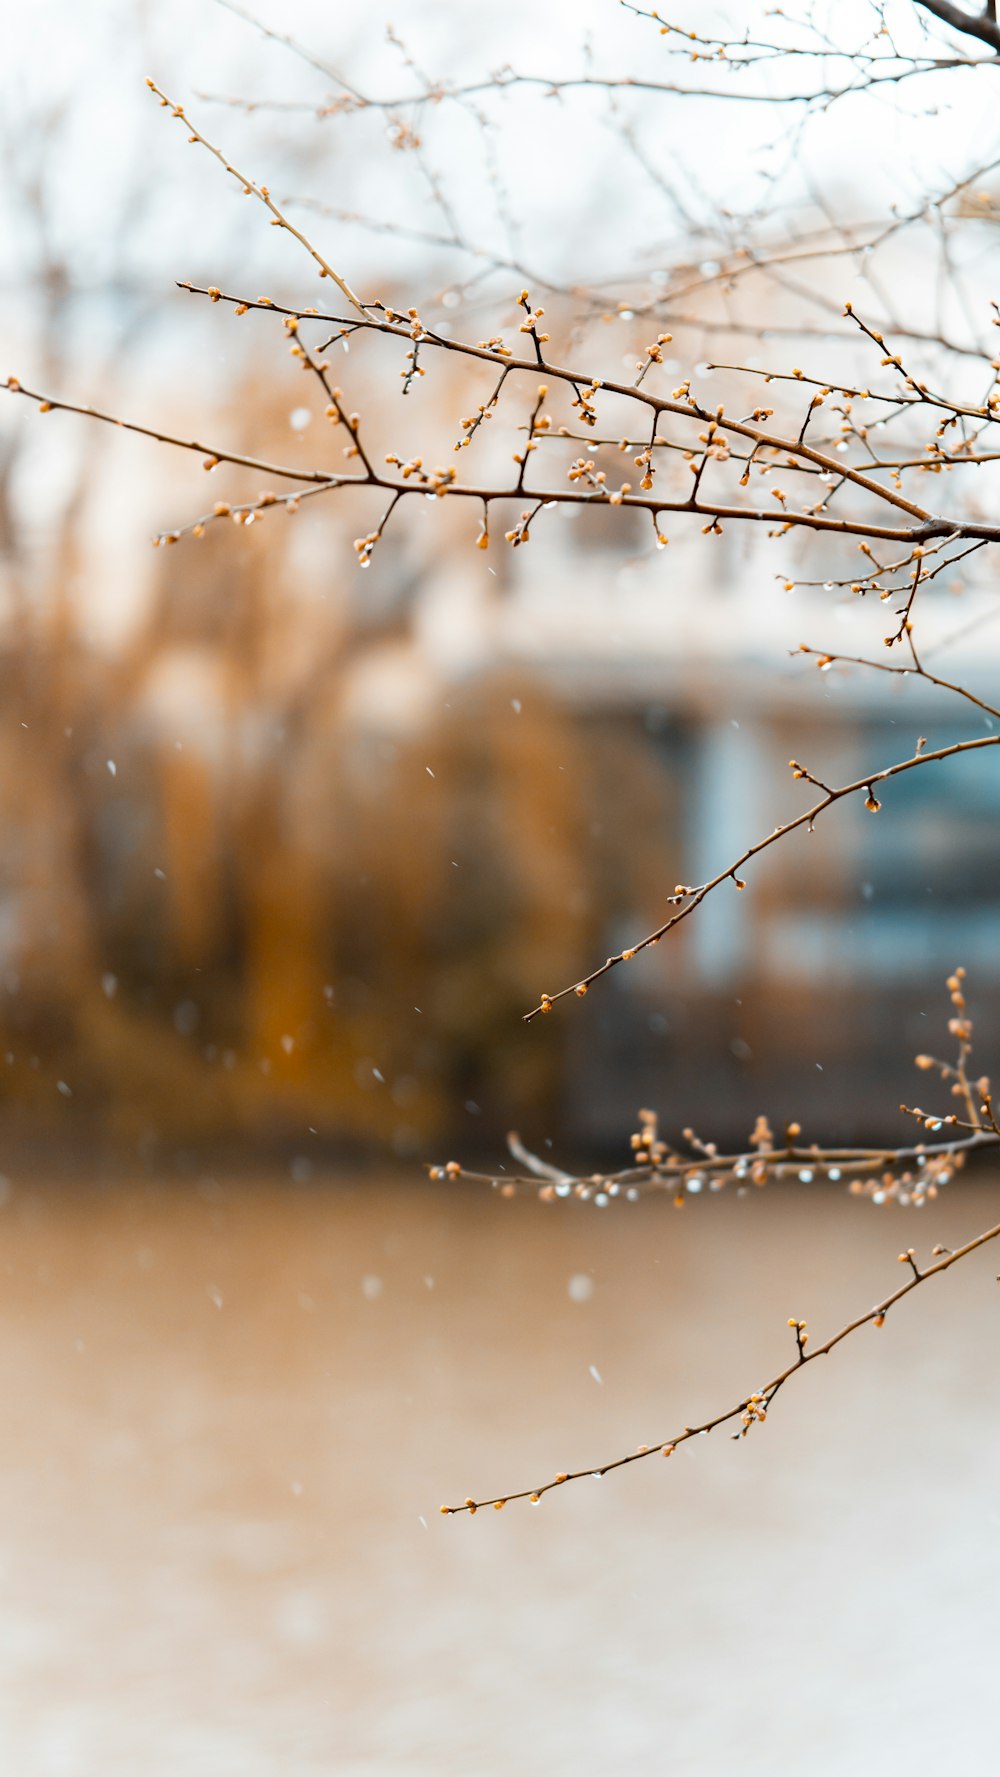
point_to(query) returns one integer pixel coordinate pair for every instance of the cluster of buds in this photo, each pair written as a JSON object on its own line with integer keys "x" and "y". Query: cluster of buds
{"x": 521, "y": 533}
{"x": 583, "y": 401}
{"x": 761, "y": 1136}
{"x": 403, "y": 136}
{"x": 646, "y": 1145}
{"x": 530, "y": 324}
{"x": 585, "y": 469}
{"x": 909, "y": 1188}
{"x": 364, "y": 546}
{"x": 654, "y": 355}
{"x": 942, "y": 459}
{"x": 496, "y": 345}
{"x": 754, "y": 1413}
{"x": 801, "y": 1336}
{"x": 961, "y": 1026}
{"x": 414, "y": 466}
{"x": 450, "y": 1170}
{"x": 411, "y": 320}
{"x": 644, "y": 461}
{"x": 435, "y": 481}
{"x": 440, "y": 480}
{"x": 716, "y": 446}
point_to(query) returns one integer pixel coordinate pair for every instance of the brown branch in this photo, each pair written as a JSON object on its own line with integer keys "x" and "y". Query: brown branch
{"x": 261, "y": 191}
{"x": 688, "y": 409}
{"x": 391, "y": 324}
{"x": 872, "y": 1171}
{"x": 982, "y": 25}
{"x": 713, "y": 511}
{"x": 675, "y": 1172}
{"x": 752, "y": 1408}
{"x": 917, "y": 670}
{"x": 693, "y": 897}
{"x": 285, "y": 471}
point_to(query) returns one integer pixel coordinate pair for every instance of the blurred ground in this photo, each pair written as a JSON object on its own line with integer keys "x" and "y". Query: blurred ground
{"x": 233, "y": 1406}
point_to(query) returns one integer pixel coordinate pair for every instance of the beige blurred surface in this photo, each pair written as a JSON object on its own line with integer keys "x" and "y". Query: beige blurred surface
{"x": 232, "y": 1408}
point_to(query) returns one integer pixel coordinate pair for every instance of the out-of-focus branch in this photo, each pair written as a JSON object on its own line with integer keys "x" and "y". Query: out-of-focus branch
{"x": 982, "y": 25}
{"x": 866, "y": 1171}
{"x": 909, "y": 1174}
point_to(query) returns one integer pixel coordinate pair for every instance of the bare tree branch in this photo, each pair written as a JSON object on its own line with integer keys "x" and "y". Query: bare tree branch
{"x": 982, "y": 25}
{"x": 751, "y": 1409}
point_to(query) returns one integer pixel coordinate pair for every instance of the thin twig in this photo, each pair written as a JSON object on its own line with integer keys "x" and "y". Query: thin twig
{"x": 752, "y": 1408}
{"x": 693, "y": 897}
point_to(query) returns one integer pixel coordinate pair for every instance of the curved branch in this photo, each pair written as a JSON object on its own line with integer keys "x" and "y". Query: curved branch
{"x": 753, "y": 1408}
{"x": 693, "y": 897}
